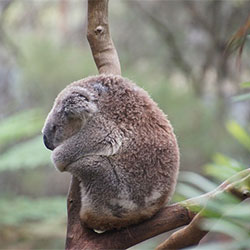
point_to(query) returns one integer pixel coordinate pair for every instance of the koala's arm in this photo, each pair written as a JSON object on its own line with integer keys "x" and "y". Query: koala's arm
{"x": 101, "y": 187}
{"x": 105, "y": 141}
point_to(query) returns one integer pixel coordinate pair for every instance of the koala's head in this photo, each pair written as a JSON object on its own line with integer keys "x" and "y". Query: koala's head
{"x": 73, "y": 107}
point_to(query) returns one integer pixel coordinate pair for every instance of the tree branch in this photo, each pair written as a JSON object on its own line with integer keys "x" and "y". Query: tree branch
{"x": 175, "y": 52}
{"x": 168, "y": 35}
{"x": 238, "y": 185}
{"x": 99, "y": 38}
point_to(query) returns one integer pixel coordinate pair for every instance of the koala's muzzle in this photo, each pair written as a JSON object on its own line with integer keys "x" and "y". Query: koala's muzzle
{"x": 48, "y": 143}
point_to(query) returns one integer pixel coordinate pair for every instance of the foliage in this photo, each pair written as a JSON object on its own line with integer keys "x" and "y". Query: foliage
{"x": 17, "y": 210}
{"x": 23, "y": 149}
{"x": 237, "y": 41}
{"x": 20, "y": 126}
{"x": 63, "y": 66}
{"x": 29, "y": 154}
{"x": 27, "y": 223}
{"x": 223, "y": 214}
{"x": 223, "y": 167}
{"x": 239, "y": 133}
{"x": 245, "y": 96}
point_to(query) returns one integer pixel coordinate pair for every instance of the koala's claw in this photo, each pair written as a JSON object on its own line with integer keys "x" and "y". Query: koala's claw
{"x": 99, "y": 231}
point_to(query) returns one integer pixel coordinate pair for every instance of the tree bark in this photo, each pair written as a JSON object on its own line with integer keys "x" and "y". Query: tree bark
{"x": 98, "y": 34}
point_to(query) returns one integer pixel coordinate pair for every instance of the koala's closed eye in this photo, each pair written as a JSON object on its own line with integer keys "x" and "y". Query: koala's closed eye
{"x": 84, "y": 97}
{"x": 80, "y": 95}
{"x": 54, "y": 127}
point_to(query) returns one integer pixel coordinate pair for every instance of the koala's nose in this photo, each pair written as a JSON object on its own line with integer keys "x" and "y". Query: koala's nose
{"x": 47, "y": 143}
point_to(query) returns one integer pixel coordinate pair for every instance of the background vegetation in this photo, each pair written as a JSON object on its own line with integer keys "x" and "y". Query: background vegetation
{"x": 173, "y": 49}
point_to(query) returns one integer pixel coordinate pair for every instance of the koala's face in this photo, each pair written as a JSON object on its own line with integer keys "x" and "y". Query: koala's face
{"x": 72, "y": 109}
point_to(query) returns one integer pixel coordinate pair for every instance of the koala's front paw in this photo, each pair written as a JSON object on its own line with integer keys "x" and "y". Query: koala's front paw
{"x": 59, "y": 160}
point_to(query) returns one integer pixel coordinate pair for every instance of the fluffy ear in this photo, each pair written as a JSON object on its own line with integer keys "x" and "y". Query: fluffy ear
{"x": 69, "y": 112}
{"x": 99, "y": 88}
{"x": 79, "y": 106}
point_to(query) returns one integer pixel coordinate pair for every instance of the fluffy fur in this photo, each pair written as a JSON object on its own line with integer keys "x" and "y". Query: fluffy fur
{"x": 111, "y": 135}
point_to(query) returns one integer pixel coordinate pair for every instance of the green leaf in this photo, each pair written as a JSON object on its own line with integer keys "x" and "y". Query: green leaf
{"x": 225, "y": 227}
{"x": 232, "y": 245}
{"x": 187, "y": 190}
{"x": 239, "y": 133}
{"x": 241, "y": 213}
{"x": 20, "y": 126}
{"x": 242, "y": 97}
{"x": 228, "y": 162}
{"x": 22, "y": 209}
{"x": 223, "y": 167}
{"x": 198, "y": 180}
{"x": 214, "y": 246}
{"x": 29, "y": 154}
{"x": 245, "y": 85}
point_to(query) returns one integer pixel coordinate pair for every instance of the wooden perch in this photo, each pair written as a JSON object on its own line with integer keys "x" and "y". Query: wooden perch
{"x": 170, "y": 217}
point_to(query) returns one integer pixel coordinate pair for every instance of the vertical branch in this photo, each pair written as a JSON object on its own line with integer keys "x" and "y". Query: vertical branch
{"x": 107, "y": 62}
{"x": 74, "y": 239}
{"x": 101, "y": 44}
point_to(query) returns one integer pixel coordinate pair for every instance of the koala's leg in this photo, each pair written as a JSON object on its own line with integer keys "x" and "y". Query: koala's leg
{"x": 100, "y": 187}
{"x": 106, "y": 198}
{"x": 97, "y": 174}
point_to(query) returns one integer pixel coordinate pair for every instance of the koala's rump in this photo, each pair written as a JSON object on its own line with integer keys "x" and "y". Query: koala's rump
{"x": 130, "y": 188}
{"x": 103, "y": 222}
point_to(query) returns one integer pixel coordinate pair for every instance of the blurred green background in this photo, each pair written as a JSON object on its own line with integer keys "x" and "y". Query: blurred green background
{"x": 173, "y": 49}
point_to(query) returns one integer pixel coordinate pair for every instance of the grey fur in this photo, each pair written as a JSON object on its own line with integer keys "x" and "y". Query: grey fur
{"x": 109, "y": 133}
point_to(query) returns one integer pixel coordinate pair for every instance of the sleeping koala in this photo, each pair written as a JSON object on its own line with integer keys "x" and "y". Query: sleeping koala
{"x": 111, "y": 135}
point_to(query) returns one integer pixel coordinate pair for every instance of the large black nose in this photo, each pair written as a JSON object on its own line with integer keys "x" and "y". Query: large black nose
{"x": 47, "y": 143}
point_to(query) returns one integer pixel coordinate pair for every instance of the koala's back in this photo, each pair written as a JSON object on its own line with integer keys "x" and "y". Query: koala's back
{"x": 145, "y": 167}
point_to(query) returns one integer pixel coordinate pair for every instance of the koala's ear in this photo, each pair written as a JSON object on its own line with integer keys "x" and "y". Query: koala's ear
{"x": 75, "y": 111}
{"x": 69, "y": 112}
{"x": 99, "y": 88}
{"x": 79, "y": 106}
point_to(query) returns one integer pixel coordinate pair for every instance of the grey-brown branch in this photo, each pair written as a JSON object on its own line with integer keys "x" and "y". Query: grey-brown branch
{"x": 98, "y": 34}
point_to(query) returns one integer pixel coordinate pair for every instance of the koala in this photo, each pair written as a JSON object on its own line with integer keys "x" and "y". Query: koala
{"x": 108, "y": 132}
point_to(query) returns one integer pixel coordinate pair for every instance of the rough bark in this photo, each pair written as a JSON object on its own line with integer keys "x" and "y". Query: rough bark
{"x": 98, "y": 34}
